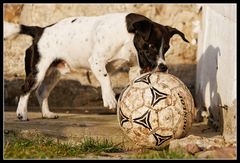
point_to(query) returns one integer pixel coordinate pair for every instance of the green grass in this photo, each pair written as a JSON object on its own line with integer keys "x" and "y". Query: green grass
{"x": 42, "y": 147}
{"x": 97, "y": 145}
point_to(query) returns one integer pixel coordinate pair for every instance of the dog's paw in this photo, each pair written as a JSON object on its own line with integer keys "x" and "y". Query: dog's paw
{"x": 50, "y": 115}
{"x": 109, "y": 100}
{"x": 22, "y": 116}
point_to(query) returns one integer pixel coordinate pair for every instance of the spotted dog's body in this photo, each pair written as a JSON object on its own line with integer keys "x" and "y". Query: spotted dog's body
{"x": 91, "y": 43}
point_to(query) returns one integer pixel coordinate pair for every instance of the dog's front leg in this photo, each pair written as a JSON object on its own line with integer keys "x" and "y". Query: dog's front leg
{"x": 99, "y": 70}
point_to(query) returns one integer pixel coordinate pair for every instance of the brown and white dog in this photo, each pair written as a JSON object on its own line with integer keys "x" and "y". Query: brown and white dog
{"x": 91, "y": 43}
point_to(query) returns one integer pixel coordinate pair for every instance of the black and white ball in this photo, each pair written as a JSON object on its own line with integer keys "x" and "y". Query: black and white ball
{"x": 154, "y": 109}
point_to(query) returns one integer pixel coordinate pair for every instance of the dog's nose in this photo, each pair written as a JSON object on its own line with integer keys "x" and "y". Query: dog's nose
{"x": 162, "y": 67}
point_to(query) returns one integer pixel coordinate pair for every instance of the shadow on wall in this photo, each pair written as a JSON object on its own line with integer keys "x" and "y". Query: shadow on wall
{"x": 208, "y": 99}
{"x": 186, "y": 73}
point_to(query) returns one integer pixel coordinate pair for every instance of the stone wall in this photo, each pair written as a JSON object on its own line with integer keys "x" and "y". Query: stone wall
{"x": 181, "y": 56}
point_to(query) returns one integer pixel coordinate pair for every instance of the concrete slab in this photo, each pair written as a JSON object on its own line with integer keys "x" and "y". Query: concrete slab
{"x": 71, "y": 127}
{"x": 77, "y": 126}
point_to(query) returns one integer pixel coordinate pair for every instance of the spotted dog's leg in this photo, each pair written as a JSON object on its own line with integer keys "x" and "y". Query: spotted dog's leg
{"x": 44, "y": 90}
{"x": 31, "y": 71}
{"x": 34, "y": 76}
{"x": 98, "y": 68}
{"x": 22, "y": 107}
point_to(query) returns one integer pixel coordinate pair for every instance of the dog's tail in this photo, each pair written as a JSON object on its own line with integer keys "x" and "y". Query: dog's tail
{"x": 12, "y": 29}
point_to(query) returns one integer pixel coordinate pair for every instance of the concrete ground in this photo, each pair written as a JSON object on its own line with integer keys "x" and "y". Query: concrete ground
{"x": 74, "y": 126}
{"x": 71, "y": 126}
{"x": 83, "y": 122}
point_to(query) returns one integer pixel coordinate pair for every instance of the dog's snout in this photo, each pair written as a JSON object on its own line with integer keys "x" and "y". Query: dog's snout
{"x": 162, "y": 67}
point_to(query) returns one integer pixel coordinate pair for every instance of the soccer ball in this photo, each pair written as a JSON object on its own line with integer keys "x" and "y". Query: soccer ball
{"x": 154, "y": 109}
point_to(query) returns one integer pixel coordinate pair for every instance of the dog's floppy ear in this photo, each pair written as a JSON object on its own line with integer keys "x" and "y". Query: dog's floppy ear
{"x": 139, "y": 24}
{"x": 173, "y": 31}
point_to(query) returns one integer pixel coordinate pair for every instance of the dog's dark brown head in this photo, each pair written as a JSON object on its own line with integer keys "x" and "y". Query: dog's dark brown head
{"x": 151, "y": 41}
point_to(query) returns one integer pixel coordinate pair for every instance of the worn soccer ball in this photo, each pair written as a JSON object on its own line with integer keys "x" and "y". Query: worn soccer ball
{"x": 154, "y": 109}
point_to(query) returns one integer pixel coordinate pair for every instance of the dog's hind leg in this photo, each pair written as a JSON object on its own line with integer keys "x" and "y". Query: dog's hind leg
{"x": 43, "y": 91}
{"x": 34, "y": 76}
{"x": 31, "y": 71}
